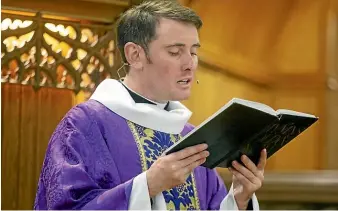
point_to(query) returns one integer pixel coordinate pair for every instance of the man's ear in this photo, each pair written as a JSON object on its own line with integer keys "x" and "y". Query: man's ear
{"x": 133, "y": 55}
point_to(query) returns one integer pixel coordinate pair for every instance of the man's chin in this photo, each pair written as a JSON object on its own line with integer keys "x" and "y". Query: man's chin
{"x": 182, "y": 97}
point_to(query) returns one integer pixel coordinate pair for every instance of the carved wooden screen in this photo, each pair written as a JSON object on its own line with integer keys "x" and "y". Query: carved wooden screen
{"x": 52, "y": 53}
{"x": 41, "y": 53}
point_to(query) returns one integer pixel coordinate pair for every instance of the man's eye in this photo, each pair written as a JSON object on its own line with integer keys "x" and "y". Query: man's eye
{"x": 194, "y": 54}
{"x": 174, "y": 53}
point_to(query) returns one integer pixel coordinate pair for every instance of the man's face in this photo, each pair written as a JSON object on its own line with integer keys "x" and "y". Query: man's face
{"x": 173, "y": 56}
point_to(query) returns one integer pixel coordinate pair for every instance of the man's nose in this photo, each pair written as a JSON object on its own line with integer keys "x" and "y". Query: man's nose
{"x": 188, "y": 62}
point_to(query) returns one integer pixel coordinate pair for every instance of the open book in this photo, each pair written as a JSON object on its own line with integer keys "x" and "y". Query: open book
{"x": 244, "y": 127}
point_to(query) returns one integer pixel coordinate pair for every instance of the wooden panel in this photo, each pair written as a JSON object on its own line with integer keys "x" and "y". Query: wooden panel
{"x": 53, "y": 104}
{"x": 44, "y": 98}
{"x": 305, "y": 151}
{"x": 262, "y": 40}
{"x": 310, "y": 187}
{"x": 298, "y": 48}
{"x": 10, "y": 140}
{"x": 331, "y": 148}
{"x": 80, "y": 10}
{"x": 112, "y": 2}
{"x": 233, "y": 66}
{"x": 301, "y": 81}
{"x": 332, "y": 92}
{"x": 28, "y": 120}
{"x": 222, "y": 40}
{"x": 244, "y": 37}
{"x": 28, "y": 133}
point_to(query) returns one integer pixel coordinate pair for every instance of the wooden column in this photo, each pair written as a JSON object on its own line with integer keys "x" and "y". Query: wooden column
{"x": 331, "y": 150}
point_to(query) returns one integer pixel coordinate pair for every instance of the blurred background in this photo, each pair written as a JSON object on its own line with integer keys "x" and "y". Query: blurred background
{"x": 283, "y": 53}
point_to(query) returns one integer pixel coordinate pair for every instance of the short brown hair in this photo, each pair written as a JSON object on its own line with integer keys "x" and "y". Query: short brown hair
{"x": 138, "y": 24}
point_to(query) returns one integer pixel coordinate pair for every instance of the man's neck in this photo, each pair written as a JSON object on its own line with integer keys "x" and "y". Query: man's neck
{"x": 138, "y": 90}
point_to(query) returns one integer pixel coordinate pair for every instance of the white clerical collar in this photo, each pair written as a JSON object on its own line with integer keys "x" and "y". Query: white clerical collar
{"x": 116, "y": 97}
{"x": 160, "y": 105}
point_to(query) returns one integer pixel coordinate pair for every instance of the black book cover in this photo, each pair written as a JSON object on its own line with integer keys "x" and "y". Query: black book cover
{"x": 240, "y": 129}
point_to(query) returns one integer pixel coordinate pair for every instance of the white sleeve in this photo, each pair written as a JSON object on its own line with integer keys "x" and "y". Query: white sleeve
{"x": 139, "y": 197}
{"x": 229, "y": 202}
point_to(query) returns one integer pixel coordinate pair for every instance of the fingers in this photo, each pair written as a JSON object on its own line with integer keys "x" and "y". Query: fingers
{"x": 187, "y": 152}
{"x": 182, "y": 173}
{"x": 262, "y": 160}
{"x": 250, "y": 167}
{"x": 189, "y": 160}
{"x": 245, "y": 171}
{"x": 240, "y": 177}
{"x": 247, "y": 184}
{"x": 188, "y": 169}
{"x": 252, "y": 173}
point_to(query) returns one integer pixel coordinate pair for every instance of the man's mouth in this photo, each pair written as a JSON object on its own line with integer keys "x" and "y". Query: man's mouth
{"x": 185, "y": 81}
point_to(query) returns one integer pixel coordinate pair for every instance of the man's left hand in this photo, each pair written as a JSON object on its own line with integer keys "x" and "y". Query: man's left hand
{"x": 247, "y": 179}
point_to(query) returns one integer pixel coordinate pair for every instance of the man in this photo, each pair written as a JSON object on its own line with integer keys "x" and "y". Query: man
{"x": 106, "y": 153}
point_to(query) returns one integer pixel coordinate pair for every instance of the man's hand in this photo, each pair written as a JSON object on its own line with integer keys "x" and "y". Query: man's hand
{"x": 247, "y": 180}
{"x": 173, "y": 169}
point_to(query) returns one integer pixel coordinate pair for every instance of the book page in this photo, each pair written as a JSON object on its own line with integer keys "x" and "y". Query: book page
{"x": 256, "y": 105}
{"x": 294, "y": 113}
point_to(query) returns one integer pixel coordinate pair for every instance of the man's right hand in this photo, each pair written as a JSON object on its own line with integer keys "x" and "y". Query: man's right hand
{"x": 172, "y": 170}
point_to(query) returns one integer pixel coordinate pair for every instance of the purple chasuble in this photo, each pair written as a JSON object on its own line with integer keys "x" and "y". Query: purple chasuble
{"x": 92, "y": 159}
